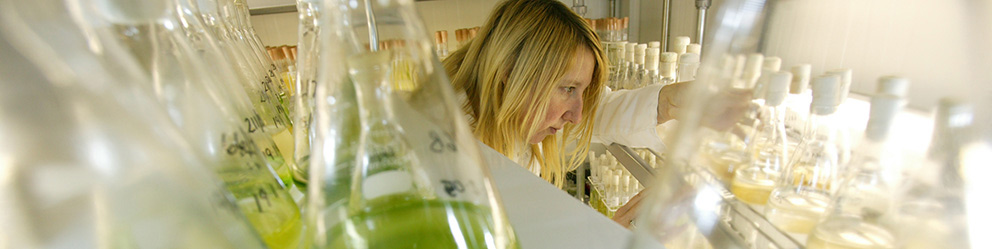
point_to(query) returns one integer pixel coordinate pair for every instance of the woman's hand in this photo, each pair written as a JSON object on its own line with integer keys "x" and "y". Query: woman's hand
{"x": 722, "y": 111}
{"x": 626, "y": 214}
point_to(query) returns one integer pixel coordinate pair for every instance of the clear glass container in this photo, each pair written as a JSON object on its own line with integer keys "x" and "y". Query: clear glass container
{"x": 90, "y": 160}
{"x": 800, "y": 199}
{"x": 309, "y": 33}
{"x": 872, "y": 39}
{"x": 769, "y": 153}
{"x": 214, "y": 117}
{"x": 395, "y": 165}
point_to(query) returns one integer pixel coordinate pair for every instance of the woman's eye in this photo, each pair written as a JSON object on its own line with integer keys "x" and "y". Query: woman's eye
{"x": 569, "y": 89}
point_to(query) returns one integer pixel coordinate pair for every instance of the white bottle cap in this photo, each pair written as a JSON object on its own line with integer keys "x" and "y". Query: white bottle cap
{"x": 772, "y": 63}
{"x": 778, "y": 88}
{"x": 845, "y": 83}
{"x": 654, "y": 44}
{"x": 679, "y": 44}
{"x": 752, "y": 68}
{"x": 629, "y": 49}
{"x": 894, "y": 85}
{"x": 884, "y": 108}
{"x": 651, "y": 60}
{"x": 825, "y": 90}
{"x": 694, "y": 48}
{"x": 800, "y": 78}
{"x": 687, "y": 58}
{"x": 669, "y": 57}
{"x": 639, "y": 53}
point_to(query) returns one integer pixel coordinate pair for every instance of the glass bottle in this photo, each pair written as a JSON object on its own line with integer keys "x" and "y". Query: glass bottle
{"x": 238, "y": 15}
{"x": 441, "y": 44}
{"x": 855, "y": 215}
{"x": 667, "y": 69}
{"x": 800, "y": 200}
{"x": 272, "y": 115}
{"x": 651, "y": 64}
{"x": 205, "y": 44}
{"x": 199, "y": 103}
{"x": 754, "y": 182}
{"x": 229, "y": 11}
{"x": 309, "y": 33}
{"x": 688, "y": 65}
{"x": 799, "y": 95}
{"x": 931, "y": 205}
{"x": 393, "y": 169}
{"x": 90, "y": 162}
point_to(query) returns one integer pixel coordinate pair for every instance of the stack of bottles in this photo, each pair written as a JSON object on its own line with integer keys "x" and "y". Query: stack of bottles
{"x": 612, "y": 185}
{"x": 285, "y": 59}
{"x": 634, "y": 65}
{"x": 464, "y": 36}
{"x": 807, "y": 179}
{"x": 167, "y": 124}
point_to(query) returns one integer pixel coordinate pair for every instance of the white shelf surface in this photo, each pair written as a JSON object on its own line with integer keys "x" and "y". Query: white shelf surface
{"x": 544, "y": 216}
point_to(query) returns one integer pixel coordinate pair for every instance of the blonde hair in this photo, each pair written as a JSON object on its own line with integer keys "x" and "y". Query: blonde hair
{"x": 509, "y": 70}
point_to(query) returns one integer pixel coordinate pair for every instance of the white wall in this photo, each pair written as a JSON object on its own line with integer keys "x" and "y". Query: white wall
{"x": 280, "y": 29}
{"x": 929, "y": 41}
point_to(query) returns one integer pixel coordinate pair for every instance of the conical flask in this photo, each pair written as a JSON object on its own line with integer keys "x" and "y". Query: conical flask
{"x": 205, "y": 44}
{"x": 306, "y": 66}
{"x": 754, "y": 182}
{"x": 393, "y": 168}
{"x": 800, "y": 199}
{"x": 855, "y": 215}
{"x": 727, "y": 151}
{"x": 236, "y": 14}
{"x": 931, "y": 205}
{"x": 274, "y": 117}
{"x": 198, "y": 102}
{"x": 90, "y": 162}
{"x": 254, "y": 79}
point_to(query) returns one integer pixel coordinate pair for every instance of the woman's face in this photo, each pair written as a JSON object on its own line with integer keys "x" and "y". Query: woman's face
{"x": 566, "y": 98}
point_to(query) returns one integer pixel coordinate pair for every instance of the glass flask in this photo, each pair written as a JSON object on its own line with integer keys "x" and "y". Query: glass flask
{"x": 200, "y": 103}
{"x": 204, "y": 43}
{"x": 264, "y": 93}
{"x": 931, "y": 207}
{"x": 306, "y": 64}
{"x": 855, "y": 218}
{"x": 769, "y": 151}
{"x": 90, "y": 162}
{"x": 272, "y": 118}
{"x": 873, "y": 38}
{"x": 800, "y": 200}
{"x": 393, "y": 168}
{"x": 236, "y": 13}
{"x": 799, "y": 95}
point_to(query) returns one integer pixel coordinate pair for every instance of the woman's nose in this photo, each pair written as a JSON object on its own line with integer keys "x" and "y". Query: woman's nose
{"x": 574, "y": 113}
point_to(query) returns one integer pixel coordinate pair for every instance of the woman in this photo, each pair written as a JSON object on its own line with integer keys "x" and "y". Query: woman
{"x": 533, "y": 82}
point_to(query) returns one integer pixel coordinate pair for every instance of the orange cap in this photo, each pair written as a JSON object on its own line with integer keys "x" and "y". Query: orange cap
{"x": 288, "y": 54}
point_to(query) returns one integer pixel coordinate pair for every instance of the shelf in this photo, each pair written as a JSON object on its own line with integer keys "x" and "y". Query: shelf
{"x": 717, "y": 215}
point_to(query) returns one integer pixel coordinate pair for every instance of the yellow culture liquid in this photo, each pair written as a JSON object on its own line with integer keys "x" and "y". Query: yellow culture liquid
{"x": 268, "y": 207}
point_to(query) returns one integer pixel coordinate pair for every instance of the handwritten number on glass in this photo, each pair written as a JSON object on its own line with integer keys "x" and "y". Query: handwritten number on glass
{"x": 439, "y": 144}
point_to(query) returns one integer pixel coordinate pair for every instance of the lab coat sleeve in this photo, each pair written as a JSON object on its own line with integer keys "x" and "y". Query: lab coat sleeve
{"x": 629, "y": 117}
